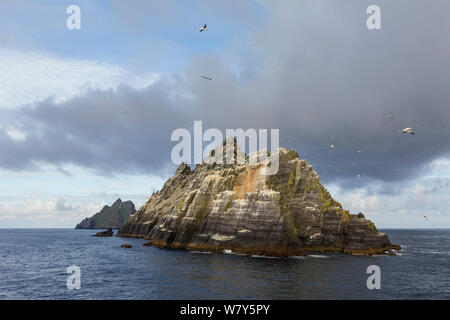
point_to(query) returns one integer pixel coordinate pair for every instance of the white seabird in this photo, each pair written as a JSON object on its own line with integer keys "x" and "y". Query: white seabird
{"x": 203, "y": 28}
{"x": 408, "y": 130}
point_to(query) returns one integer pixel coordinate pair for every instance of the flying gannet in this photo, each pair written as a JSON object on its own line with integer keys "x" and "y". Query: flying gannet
{"x": 408, "y": 130}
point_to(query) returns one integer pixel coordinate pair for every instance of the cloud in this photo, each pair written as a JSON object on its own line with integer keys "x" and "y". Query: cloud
{"x": 40, "y": 213}
{"x": 29, "y": 77}
{"x": 313, "y": 70}
{"x": 16, "y": 135}
{"x": 403, "y": 210}
{"x": 63, "y": 205}
{"x": 122, "y": 130}
{"x": 361, "y": 202}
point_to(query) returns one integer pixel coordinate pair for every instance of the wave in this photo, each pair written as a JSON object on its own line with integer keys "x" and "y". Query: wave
{"x": 267, "y": 257}
{"x": 227, "y": 251}
{"x": 204, "y": 252}
{"x": 318, "y": 256}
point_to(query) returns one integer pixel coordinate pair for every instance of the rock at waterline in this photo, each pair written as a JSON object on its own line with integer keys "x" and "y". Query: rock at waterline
{"x": 107, "y": 233}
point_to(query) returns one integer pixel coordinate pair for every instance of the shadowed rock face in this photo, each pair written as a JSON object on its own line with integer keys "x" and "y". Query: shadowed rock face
{"x": 109, "y": 217}
{"x": 107, "y": 233}
{"x": 236, "y": 207}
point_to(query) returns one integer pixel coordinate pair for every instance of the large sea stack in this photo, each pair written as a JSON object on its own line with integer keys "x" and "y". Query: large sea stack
{"x": 109, "y": 217}
{"x": 235, "y": 207}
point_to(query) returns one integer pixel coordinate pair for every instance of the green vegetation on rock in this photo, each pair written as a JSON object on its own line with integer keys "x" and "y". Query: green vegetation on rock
{"x": 284, "y": 214}
{"x": 109, "y": 217}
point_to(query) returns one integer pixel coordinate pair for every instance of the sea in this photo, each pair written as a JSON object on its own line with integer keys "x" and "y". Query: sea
{"x": 34, "y": 265}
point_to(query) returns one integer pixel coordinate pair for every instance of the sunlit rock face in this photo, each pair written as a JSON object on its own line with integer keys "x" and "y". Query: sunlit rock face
{"x": 218, "y": 207}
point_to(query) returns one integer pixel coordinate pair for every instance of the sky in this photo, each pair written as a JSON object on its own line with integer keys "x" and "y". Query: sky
{"x": 87, "y": 114}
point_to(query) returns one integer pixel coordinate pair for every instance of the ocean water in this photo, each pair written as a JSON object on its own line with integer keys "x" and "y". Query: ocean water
{"x": 33, "y": 265}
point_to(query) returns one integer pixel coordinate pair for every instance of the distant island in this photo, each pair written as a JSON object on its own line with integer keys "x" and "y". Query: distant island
{"x": 109, "y": 217}
{"x": 235, "y": 208}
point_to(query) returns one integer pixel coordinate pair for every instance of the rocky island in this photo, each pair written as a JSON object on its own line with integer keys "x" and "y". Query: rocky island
{"x": 218, "y": 207}
{"x": 109, "y": 217}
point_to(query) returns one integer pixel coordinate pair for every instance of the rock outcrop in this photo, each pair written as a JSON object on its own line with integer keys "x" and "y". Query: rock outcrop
{"x": 109, "y": 217}
{"x": 107, "y": 233}
{"x": 235, "y": 207}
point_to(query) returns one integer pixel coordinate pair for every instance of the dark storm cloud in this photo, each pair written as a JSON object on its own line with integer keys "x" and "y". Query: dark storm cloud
{"x": 313, "y": 70}
{"x": 326, "y": 79}
{"x": 124, "y": 130}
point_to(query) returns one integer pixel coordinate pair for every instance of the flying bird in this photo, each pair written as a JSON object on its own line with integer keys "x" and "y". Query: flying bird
{"x": 388, "y": 116}
{"x": 408, "y": 130}
{"x": 203, "y": 28}
{"x": 426, "y": 217}
{"x": 332, "y": 146}
{"x": 206, "y": 78}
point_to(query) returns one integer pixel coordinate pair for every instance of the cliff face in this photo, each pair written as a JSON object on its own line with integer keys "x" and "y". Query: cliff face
{"x": 235, "y": 207}
{"x": 109, "y": 217}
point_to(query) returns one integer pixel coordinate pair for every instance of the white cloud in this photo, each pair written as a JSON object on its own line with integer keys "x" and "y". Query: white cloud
{"x": 29, "y": 77}
{"x": 406, "y": 209}
{"x": 16, "y": 134}
{"x": 439, "y": 168}
{"x": 52, "y": 213}
{"x": 359, "y": 201}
